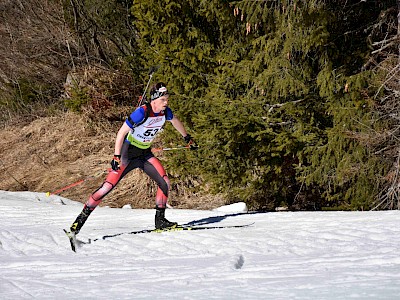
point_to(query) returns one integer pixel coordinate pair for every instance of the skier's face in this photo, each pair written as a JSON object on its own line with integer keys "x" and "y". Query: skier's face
{"x": 160, "y": 103}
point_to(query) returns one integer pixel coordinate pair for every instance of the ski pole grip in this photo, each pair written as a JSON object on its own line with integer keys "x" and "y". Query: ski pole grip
{"x": 153, "y": 69}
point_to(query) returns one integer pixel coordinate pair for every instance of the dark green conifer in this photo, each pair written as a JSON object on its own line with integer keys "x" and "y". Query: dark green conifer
{"x": 275, "y": 92}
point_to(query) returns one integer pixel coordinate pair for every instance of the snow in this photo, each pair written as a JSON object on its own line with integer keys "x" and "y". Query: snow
{"x": 284, "y": 255}
{"x": 127, "y": 206}
{"x": 236, "y": 207}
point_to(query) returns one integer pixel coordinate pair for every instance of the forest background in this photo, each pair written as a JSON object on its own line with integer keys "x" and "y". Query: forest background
{"x": 293, "y": 103}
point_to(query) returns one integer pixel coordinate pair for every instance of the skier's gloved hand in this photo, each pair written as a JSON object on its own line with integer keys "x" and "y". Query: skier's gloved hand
{"x": 188, "y": 139}
{"x": 116, "y": 162}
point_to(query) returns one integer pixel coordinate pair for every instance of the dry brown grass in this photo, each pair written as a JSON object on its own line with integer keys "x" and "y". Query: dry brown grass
{"x": 52, "y": 152}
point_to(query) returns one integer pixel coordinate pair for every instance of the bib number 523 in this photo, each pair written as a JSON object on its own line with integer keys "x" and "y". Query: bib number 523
{"x": 151, "y": 132}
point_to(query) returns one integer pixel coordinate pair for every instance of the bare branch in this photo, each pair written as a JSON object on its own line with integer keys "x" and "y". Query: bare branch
{"x": 271, "y": 107}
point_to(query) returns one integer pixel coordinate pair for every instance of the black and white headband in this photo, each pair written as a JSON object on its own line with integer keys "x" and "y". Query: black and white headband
{"x": 158, "y": 93}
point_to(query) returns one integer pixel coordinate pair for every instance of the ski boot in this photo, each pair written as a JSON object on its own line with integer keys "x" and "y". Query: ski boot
{"x": 80, "y": 220}
{"x": 160, "y": 221}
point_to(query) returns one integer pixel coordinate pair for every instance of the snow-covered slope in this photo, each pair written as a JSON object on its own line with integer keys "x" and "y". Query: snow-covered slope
{"x": 303, "y": 255}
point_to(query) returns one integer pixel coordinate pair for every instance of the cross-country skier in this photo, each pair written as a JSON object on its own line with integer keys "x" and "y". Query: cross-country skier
{"x": 133, "y": 150}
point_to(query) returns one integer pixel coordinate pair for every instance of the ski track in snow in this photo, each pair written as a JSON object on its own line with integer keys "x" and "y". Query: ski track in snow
{"x": 302, "y": 255}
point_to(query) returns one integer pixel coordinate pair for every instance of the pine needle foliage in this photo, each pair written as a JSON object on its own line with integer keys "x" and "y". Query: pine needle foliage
{"x": 275, "y": 92}
{"x": 184, "y": 38}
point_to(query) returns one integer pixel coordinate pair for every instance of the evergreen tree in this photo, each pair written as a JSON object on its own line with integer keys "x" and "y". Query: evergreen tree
{"x": 184, "y": 38}
{"x": 344, "y": 166}
{"x": 306, "y": 94}
{"x": 276, "y": 93}
{"x": 271, "y": 111}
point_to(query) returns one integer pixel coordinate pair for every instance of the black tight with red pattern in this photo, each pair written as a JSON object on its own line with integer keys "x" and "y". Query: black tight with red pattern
{"x": 132, "y": 158}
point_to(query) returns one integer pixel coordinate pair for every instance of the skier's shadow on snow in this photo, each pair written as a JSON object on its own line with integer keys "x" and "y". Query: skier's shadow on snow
{"x": 217, "y": 219}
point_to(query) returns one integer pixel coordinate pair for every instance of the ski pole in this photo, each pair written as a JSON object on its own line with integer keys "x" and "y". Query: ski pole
{"x": 152, "y": 70}
{"x": 171, "y": 148}
{"x": 48, "y": 194}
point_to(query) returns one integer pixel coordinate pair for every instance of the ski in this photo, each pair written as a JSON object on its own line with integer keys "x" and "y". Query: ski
{"x": 176, "y": 228}
{"x": 183, "y": 227}
{"x": 75, "y": 243}
{"x": 72, "y": 239}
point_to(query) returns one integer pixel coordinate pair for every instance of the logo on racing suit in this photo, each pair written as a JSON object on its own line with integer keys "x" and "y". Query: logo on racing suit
{"x": 155, "y": 120}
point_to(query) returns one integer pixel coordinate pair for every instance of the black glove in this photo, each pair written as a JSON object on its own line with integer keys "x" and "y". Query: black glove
{"x": 116, "y": 162}
{"x": 188, "y": 139}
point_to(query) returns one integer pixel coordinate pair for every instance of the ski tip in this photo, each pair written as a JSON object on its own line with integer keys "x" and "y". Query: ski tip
{"x": 71, "y": 240}
{"x": 69, "y": 233}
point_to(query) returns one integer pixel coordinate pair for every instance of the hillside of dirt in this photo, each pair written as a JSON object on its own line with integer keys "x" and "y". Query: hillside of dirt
{"x": 53, "y": 152}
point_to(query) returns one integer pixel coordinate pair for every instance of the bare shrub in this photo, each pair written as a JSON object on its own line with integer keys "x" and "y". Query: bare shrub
{"x": 386, "y": 61}
{"x": 34, "y": 51}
